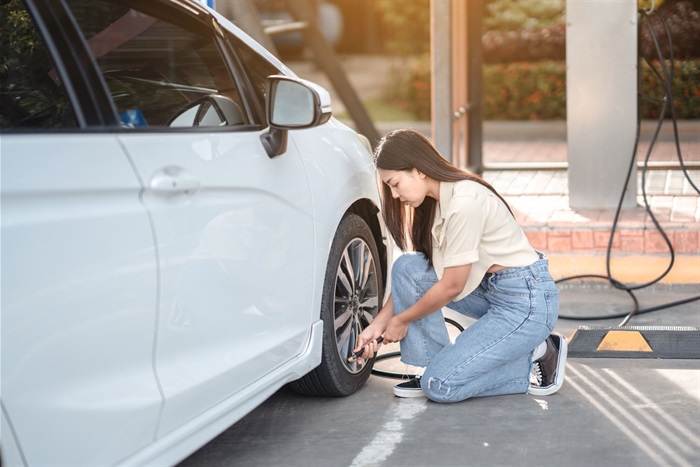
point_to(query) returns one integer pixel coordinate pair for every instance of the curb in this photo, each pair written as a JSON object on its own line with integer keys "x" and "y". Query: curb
{"x": 628, "y": 269}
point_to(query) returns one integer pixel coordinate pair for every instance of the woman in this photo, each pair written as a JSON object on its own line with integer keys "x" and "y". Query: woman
{"x": 471, "y": 256}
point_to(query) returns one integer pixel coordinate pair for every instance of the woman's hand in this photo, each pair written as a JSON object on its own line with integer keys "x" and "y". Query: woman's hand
{"x": 396, "y": 329}
{"x": 368, "y": 340}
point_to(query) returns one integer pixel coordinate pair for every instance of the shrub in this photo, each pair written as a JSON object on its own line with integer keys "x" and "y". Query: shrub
{"x": 411, "y": 91}
{"x": 510, "y": 15}
{"x": 524, "y": 68}
{"x": 685, "y": 87}
{"x": 527, "y": 30}
{"x": 549, "y": 42}
{"x": 406, "y": 25}
{"x": 525, "y": 91}
{"x": 537, "y": 91}
{"x": 526, "y": 45}
{"x": 683, "y": 19}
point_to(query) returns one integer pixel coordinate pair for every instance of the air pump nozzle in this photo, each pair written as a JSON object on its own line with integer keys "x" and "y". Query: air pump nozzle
{"x": 355, "y": 355}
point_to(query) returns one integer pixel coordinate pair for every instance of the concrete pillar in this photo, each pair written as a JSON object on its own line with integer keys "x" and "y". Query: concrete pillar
{"x": 460, "y": 79}
{"x": 475, "y": 86}
{"x": 601, "y": 100}
{"x": 441, "y": 72}
{"x": 457, "y": 81}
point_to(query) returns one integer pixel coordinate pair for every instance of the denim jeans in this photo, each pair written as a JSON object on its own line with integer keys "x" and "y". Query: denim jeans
{"x": 516, "y": 309}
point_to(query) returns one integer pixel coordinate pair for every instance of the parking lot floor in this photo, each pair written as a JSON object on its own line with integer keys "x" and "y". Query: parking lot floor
{"x": 610, "y": 411}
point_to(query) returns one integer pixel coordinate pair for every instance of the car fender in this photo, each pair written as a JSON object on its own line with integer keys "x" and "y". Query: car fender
{"x": 341, "y": 172}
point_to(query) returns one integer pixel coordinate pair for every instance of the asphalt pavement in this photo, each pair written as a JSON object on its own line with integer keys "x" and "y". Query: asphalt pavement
{"x": 610, "y": 411}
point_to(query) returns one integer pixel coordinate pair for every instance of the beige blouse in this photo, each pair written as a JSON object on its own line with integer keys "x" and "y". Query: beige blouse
{"x": 473, "y": 226}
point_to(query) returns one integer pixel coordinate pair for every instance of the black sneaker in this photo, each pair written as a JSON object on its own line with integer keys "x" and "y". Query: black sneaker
{"x": 547, "y": 374}
{"x": 410, "y": 388}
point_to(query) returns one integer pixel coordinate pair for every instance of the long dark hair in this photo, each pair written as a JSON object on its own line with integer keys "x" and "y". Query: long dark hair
{"x": 405, "y": 150}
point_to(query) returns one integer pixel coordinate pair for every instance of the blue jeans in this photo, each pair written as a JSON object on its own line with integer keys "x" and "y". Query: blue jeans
{"x": 516, "y": 309}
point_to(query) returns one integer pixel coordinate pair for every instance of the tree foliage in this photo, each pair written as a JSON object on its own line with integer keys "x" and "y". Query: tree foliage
{"x": 407, "y": 25}
{"x": 537, "y": 90}
{"x": 30, "y": 91}
{"x": 514, "y": 15}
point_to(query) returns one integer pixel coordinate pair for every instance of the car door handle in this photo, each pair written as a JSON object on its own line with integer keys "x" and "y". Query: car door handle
{"x": 173, "y": 180}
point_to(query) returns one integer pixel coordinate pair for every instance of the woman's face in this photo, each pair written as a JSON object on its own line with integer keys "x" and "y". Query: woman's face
{"x": 410, "y": 186}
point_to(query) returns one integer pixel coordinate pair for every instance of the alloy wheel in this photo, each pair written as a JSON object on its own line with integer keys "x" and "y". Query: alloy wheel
{"x": 356, "y": 299}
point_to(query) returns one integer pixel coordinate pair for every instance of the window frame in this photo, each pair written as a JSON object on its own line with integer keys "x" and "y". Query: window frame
{"x": 260, "y": 107}
{"x": 73, "y": 67}
{"x": 86, "y": 88}
{"x": 195, "y": 19}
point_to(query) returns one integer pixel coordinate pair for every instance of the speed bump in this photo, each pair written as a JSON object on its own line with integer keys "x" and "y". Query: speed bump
{"x": 635, "y": 342}
{"x": 624, "y": 341}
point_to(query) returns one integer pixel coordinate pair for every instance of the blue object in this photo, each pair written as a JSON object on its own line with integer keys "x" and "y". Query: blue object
{"x": 132, "y": 118}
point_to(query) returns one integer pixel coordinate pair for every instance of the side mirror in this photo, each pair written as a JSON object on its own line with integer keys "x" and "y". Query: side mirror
{"x": 292, "y": 104}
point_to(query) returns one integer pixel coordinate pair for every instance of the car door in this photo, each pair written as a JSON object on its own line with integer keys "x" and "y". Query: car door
{"x": 78, "y": 267}
{"x": 234, "y": 228}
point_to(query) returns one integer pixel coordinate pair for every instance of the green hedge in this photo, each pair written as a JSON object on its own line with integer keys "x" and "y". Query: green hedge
{"x": 537, "y": 90}
{"x": 685, "y": 88}
{"x": 525, "y": 91}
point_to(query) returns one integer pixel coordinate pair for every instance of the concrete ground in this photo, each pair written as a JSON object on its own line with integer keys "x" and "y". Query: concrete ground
{"x": 611, "y": 411}
{"x": 608, "y": 414}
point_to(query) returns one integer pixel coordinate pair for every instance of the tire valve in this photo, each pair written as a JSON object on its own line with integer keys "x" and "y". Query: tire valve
{"x": 355, "y": 355}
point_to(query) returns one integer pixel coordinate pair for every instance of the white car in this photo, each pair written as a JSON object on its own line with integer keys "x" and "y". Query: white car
{"x": 185, "y": 229}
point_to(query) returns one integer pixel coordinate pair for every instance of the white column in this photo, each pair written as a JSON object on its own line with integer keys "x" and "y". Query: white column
{"x": 441, "y": 68}
{"x": 601, "y": 100}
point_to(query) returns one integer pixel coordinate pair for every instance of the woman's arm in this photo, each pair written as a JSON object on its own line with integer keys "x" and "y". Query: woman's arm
{"x": 394, "y": 328}
{"x": 443, "y": 292}
{"x": 375, "y": 329}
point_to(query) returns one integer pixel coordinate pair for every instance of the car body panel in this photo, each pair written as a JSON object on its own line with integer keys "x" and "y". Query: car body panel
{"x": 179, "y": 443}
{"x": 340, "y": 167}
{"x": 78, "y": 298}
{"x": 228, "y": 249}
{"x": 140, "y": 319}
{"x": 11, "y": 452}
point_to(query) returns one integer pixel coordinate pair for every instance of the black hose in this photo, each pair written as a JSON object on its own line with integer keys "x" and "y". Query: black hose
{"x": 665, "y": 78}
{"x": 391, "y": 374}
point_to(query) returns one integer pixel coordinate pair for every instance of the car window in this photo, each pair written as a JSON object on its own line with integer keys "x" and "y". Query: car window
{"x": 256, "y": 67}
{"x": 162, "y": 69}
{"x": 31, "y": 94}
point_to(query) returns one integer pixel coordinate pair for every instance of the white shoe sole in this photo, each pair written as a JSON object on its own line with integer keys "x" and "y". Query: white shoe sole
{"x": 409, "y": 393}
{"x": 561, "y": 367}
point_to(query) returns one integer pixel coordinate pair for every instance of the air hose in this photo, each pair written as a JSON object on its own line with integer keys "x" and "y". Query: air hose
{"x": 392, "y": 374}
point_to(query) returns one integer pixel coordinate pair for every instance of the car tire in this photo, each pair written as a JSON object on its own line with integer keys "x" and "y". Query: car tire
{"x": 352, "y": 293}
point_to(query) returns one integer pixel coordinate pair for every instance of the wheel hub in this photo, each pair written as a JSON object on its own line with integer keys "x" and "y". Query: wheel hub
{"x": 355, "y": 303}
